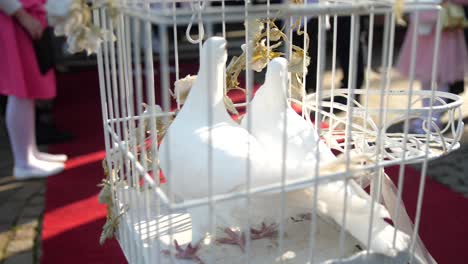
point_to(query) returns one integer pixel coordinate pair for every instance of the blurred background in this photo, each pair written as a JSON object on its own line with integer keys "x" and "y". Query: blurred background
{"x": 50, "y": 220}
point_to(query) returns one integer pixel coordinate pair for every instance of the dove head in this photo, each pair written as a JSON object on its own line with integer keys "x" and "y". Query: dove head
{"x": 276, "y": 78}
{"x": 214, "y": 51}
{"x": 212, "y": 64}
{"x": 207, "y": 89}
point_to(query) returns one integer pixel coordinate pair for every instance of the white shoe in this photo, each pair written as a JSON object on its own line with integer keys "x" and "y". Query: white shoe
{"x": 51, "y": 157}
{"x": 37, "y": 173}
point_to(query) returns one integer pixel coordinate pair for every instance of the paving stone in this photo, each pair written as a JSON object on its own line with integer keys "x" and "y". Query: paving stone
{"x": 25, "y": 221}
{"x": 450, "y": 170}
{"x": 460, "y": 188}
{"x": 17, "y": 246}
{"x": 7, "y": 179}
{"x": 25, "y": 233}
{"x": 7, "y": 189}
{"x": 6, "y": 165}
{"x": 22, "y": 194}
{"x": 28, "y": 222}
{"x": 42, "y": 191}
{"x": 7, "y": 160}
{"x": 37, "y": 185}
{"x": 10, "y": 186}
{"x": 30, "y": 188}
{"x": 21, "y": 258}
{"x": 9, "y": 211}
{"x": 38, "y": 252}
{"x": 37, "y": 200}
{"x": 5, "y": 237}
{"x": 5, "y": 228}
{"x": 33, "y": 211}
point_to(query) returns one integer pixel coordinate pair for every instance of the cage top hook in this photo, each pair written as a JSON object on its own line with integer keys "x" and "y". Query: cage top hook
{"x": 197, "y": 7}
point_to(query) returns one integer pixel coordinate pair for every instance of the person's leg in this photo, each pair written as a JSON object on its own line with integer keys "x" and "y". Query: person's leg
{"x": 3, "y": 101}
{"x": 457, "y": 87}
{"x": 21, "y": 130}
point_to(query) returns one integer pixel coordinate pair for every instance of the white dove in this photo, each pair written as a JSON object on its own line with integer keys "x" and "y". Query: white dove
{"x": 203, "y": 127}
{"x": 268, "y": 111}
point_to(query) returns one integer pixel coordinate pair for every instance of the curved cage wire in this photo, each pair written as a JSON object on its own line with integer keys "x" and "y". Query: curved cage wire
{"x": 159, "y": 42}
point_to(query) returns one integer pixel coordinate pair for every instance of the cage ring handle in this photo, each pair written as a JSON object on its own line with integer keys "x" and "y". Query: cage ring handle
{"x": 196, "y": 8}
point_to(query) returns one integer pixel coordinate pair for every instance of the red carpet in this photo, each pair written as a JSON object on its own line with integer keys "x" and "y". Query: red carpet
{"x": 444, "y": 223}
{"x": 73, "y": 218}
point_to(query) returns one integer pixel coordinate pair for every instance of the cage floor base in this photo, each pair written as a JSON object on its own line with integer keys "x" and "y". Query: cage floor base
{"x": 149, "y": 240}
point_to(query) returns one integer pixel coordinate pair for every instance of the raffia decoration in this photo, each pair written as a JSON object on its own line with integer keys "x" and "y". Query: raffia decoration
{"x": 105, "y": 197}
{"x": 398, "y": 8}
{"x": 162, "y": 122}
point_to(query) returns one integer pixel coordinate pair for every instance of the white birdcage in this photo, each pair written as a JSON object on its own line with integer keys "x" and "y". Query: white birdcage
{"x": 138, "y": 70}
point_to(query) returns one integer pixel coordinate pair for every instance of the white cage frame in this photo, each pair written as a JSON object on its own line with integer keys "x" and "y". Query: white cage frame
{"x": 121, "y": 76}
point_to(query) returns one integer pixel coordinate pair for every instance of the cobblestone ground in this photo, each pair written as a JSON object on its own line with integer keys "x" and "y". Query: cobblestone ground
{"x": 21, "y": 209}
{"x": 452, "y": 170}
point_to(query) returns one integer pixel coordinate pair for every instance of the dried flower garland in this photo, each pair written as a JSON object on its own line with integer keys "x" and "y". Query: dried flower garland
{"x": 262, "y": 52}
{"x": 78, "y": 28}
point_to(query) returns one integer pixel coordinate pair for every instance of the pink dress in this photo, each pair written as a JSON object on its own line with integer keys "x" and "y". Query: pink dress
{"x": 453, "y": 57}
{"x": 19, "y": 71}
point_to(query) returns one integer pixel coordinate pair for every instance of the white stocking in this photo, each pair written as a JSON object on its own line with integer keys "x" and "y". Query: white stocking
{"x": 21, "y": 129}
